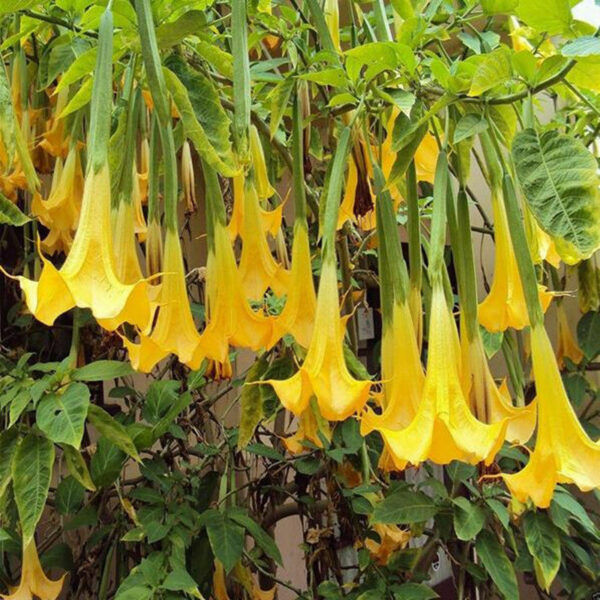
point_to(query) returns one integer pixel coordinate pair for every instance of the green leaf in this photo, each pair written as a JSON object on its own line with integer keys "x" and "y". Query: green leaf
{"x": 280, "y": 97}
{"x": 170, "y": 34}
{"x": 587, "y": 45}
{"x": 106, "y": 463}
{"x": 560, "y": 183}
{"x": 414, "y": 591}
{"x": 586, "y": 73}
{"x": 112, "y": 430}
{"x": 205, "y": 121}
{"x": 31, "y": 474}
{"x": 494, "y": 69}
{"x": 11, "y": 6}
{"x": 251, "y": 402}
{"x": 469, "y": 519}
{"x": 226, "y": 539}
{"x": 179, "y": 580}
{"x": 333, "y": 76}
{"x": 81, "y": 98}
{"x": 405, "y": 507}
{"x": 7, "y": 117}
{"x": 101, "y": 370}
{"x": 78, "y": 467}
{"x": 543, "y": 543}
{"x": 468, "y": 126}
{"x": 10, "y": 214}
{"x": 575, "y": 509}
{"x": 550, "y": 16}
{"x": 495, "y": 7}
{"x": 8, "y": 445}
{"x": 218, "y": 58}
{"x": 261, "y": 537}
{"x": 496, "y": 563}
{"x": 69, "y": 496}
{"x": 62, "y": 416}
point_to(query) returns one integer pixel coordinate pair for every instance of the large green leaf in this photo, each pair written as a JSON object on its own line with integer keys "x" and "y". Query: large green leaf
{"x": 550, "y": 16}
{"x": 205, "y": 121}
{"x": 496, "y": 563}
{"x": 588, "y": 334}
{"x": 8, "y": 445}
{"x": 226, "y": 539}
{"x": 405, "y": 507}
{"x": 543, "y": 543}
{"x": 7, "y": 119}
{"x": 112, "y": 430}
{"x": 494, "y": 69}
{"x": 414, "y": 591}
{"x": 251, "y": 402}
{"x": 261, "y": 537}
{"x": 10, "y": 6}
{"x": 469, "y": 518}
{"x": 559, "y": 180}
{"x": 78, "y": 467}
{"x": 190, "y": 23}
{"x": 101, "y": 370}
{"x": 31, "y": 473}
{"x": 61, "y": 416}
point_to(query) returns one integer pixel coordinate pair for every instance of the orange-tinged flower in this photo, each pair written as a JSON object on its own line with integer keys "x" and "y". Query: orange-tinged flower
{"x": 229, "y": 318}
{"x": 140, "y": 226}
{"x": 490, "y": 403}
{"x": 392, "y": 538}
{"x": 505, "y": 306}
{"x": 219, "y": 583}
{"x": 34, "y": 582}
{"x": 308, "y": 429}
{"x": 54, "y": 141}
{"x": 444, "y": 429}
{"x": 567, "y": 346}
{"x": 426, "y": 158}
{"x": 563, "y": 452}
{"x": 88, "y": 278}
{"x": 258, "y": 268}
{"x": 144, "y": 169}
{"x": 324, "y": 372}
{"x": 298, "y": 314}
{"x": 270, "y": 219}
{"x": 60, "y": 212}
{"x": 174, "y": 331}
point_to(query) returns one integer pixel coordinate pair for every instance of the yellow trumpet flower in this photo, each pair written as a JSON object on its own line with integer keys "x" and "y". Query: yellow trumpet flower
{"x": 505, "y": 306}
{"x": 324, "y": 372}
{"x": 229, "y": 318}
{"x": 542, "y": 246}
{"x": 298, "y": 314}
{"x": 567, "y": 345}
{"x": 54, "y": 141}
{"x": 490, "y": 403}
{"x": 563, "y": 452}
{"x": 270, "y": 219}
{"x": 264, "y": 189}
{"x": 140, "y": 226}
{"x": 88, "y": 278}
{"x": 308, "y": 429}
{"x": 154, "y": 249}
{"x": 34, "y": 582}
{"x": 392, "y": 538}
{"x": 331, "y": 12}
{"x": 444, "y": 429}
{"x": 175, "y": 331}
{"x": 60, "y": 212}
{"x": 188, "y": 178}
{"x": 258, "y": 269}
{"x": 144, "y": 169}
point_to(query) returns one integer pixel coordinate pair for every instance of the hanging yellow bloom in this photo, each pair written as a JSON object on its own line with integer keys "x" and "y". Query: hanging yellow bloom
{"x": 219, "y": 583}
{"x": 88, "y": 278}
{"x": 264, "y": 189}
{"x": 188, "y": 178}
{"x": 444, "y": 429}
{"x": 175, "y": 331}
{"x": 415, "y": 303}
{"x": 229, "y": 318}
{"x": 140, "y": 226}
{"x": 154, "y": 249}
{"x": 542, "y": 246}
{"x": 144, "y": 169}
{"x": 270, "y": 219}
{"x": 60, "y": 212}
{"x": 331, "y": 12}
{"x": 127, "y": 265}
{"x": 490, "y": 403}
{"x": 563, "y": 452}
{"x": 324, "y": 372}
{"x": 505, "y": 306}
{"x": 392, "y": 538}
{"x": 34, "y": 582}
{"x": 258, "y": 268}
{"x": 308, "y": 429}
{"x": 567, "y": 346}
{"x": 298, "y": 315}
{"x": 54, "y": 141}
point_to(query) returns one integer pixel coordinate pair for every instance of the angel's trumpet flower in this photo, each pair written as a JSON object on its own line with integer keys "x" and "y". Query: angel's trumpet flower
{"x": 264, "y": 189}
{"x": 542, "y": 246}
{"x": 324, "y": 372}
{"x": 188, "y": 179}
{"x": 298, "y": 314}
{"x": 563, "y": 452}
{"x": 392, "y": 538}
{"x": 54, "y": 141}
{"x": 60, "y": 212}
{"x": 154, "y": 248}
{"x": 174, "y": 331}
{"x": 444, "y": 429}
{"x": 258, "y": 269}
{"x": 505, "y": 306}
{"x": 331, "y": 12}
{"x": 34, "y": 582}
{"x": 308, "y": 429}
{"x": 567, "y": 346}
{"x": 229, "y": 318}
{"x": 88, "y": 277}
{"x": 490, "y": 403}
{"x": 140, "y": 226}
{"x": 144, "y": 169}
